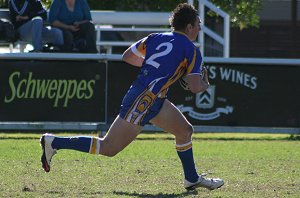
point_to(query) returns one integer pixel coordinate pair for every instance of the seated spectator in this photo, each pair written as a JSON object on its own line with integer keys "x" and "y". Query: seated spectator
{"x": 73, "y": 17}
{"x": 28, "y": 18}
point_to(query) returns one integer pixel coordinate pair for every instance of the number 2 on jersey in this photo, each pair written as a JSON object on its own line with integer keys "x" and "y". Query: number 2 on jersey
{"x": 151, "y": 59}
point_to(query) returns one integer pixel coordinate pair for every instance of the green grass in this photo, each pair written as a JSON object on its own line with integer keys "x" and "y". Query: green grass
{"x": 252, "y": 165}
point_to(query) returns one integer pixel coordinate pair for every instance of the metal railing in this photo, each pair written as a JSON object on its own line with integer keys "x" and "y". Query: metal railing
{"x": 224, "y": 41}
{"x": 141, "y": 22}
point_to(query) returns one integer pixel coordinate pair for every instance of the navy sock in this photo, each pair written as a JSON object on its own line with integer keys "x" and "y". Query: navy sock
{"x": 185, "y": 153}
{"x": 79, "y": 143}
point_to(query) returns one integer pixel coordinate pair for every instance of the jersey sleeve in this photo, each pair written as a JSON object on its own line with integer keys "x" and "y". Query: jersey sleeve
{"x": 195, "y": 62}
{"x": 139, "y": 47}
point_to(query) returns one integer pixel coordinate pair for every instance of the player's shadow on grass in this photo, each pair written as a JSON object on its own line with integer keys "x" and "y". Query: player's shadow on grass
{"x": 160, "y": 195}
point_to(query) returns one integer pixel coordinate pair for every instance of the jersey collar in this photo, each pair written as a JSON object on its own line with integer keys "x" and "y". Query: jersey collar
{"x": 178, "y": 32}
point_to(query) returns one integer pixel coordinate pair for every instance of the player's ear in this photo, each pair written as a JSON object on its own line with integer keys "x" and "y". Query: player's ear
{"x": 189, "y": 27}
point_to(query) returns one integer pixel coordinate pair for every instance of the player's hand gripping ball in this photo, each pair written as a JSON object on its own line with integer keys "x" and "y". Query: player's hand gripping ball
{"x": 203, "y": 72}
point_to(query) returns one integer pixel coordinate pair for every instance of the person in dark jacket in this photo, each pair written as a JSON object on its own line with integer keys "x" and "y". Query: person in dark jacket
{"x": 28, "y": 17}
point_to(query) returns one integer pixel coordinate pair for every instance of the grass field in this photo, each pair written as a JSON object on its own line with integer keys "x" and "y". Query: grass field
{"x": 252, "y": 165}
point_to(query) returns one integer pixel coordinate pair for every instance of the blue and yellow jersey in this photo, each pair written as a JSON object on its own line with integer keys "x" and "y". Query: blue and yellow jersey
{"x": 167, "y": 57}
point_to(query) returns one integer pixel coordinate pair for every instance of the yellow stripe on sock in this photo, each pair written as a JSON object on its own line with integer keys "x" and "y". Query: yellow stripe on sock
{"x": 98, "y": 146}
{"x": 94, "y": 146}
{"x": 184, "y": 147}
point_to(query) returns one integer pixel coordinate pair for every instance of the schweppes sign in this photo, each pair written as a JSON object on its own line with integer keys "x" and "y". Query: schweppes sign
{"x": 60, "y": 91}
{"x": 53, "y": 91}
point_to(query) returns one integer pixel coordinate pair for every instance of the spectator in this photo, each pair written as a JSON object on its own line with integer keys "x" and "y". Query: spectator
{"x": 28, "y": 18}
{"x": 73, "y": 17}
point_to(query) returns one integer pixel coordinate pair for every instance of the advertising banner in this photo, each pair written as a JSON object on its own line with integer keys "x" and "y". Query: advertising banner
{"x": 58, "y": 91}
{"x": 245, "y": 95}
{"x": 251, "y": 95}
{"x": 120, "y": 77}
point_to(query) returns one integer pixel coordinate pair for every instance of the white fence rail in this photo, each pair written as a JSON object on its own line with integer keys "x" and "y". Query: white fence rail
{"x": 224, "y": 41}
{"x": 110, "y": 21}
{"x": 140, "y": 22}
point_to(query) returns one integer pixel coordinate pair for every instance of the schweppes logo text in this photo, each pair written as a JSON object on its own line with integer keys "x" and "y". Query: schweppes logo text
{"x": 60, "y": 91}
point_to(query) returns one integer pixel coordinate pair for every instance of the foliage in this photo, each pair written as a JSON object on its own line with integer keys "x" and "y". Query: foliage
{"x": 243, "y": 13}
{"x": 135, "y": 5}
{"x": 3, "y": 3}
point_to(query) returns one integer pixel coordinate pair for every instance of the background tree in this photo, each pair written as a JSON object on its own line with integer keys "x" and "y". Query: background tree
{"x": 243, "y": 13}
{"x": 3, "y": 3}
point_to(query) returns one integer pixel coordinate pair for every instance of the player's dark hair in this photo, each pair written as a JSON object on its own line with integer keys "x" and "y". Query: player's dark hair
{"x": 183, "y": 15}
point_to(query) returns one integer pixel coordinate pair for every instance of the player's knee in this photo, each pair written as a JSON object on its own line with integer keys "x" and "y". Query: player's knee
{"x": 185, "y": 133}
{"x": 189, "y": 131}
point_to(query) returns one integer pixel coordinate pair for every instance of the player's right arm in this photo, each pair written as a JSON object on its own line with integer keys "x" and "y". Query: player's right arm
{"x": 131, "y": 58}
{"x": 135, "y": 54}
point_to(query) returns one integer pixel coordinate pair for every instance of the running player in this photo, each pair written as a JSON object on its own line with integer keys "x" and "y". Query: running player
{"x": 163, "y": 58}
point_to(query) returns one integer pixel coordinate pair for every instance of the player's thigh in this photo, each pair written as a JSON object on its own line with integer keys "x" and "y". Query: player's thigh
{"x": 120, "y": 134}
{"x": 172, "y": 120}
